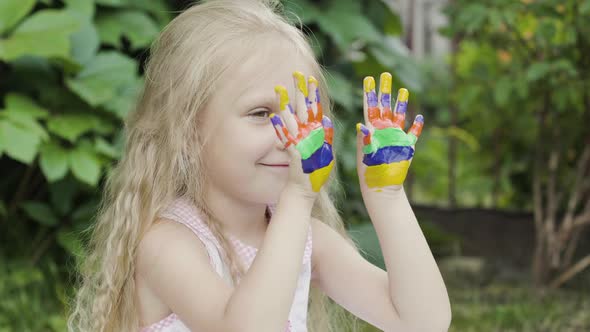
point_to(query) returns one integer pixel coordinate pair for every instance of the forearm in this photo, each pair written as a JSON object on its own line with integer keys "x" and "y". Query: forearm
{"x": 416, "y": 286}
{"x": 263, "y": 298}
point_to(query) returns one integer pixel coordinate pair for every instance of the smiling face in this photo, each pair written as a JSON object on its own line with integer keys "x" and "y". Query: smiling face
{"x": 242, "y": 154}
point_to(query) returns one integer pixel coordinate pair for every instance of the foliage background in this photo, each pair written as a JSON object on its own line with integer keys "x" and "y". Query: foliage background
{"x": 71, "y": 69}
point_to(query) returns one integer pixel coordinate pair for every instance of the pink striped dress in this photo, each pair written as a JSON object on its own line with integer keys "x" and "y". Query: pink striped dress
{"x": 182, "y": 211}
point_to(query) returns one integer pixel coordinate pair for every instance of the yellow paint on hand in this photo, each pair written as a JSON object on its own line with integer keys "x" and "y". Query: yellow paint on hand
{"x": 320, "y": 176}
{"x": 369, "y": 83}
{"x": 387, "y": 174}
{"x": 385, "y": 83}
{"x": 403, "y": 94}
{"x": 283, "y": 97}
{"x": 301, "y": 85}
{"x": 312, "y": 80}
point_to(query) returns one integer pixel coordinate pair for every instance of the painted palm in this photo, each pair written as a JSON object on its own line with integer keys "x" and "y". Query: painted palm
{"x": 306, "y": 129}
{"x": 387, "y": 150}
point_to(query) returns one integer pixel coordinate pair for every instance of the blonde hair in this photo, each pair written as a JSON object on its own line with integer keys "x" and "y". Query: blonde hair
{"x": 162, "y": 160}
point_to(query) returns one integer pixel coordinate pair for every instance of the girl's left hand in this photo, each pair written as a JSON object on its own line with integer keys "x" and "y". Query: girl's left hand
{"x": 384, "y": 150}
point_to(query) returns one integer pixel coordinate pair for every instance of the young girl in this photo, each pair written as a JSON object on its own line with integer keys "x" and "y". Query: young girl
{"x": 218, "y": 217}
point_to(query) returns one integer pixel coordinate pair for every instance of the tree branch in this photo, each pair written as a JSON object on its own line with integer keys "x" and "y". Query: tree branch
{"x": 571, "y": 272}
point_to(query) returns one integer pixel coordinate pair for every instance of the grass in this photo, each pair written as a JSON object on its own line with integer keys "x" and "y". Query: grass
{"x": 512, "y": 305}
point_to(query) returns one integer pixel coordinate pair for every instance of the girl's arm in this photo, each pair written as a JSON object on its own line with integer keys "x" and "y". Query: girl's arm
{"x": 416, "y": 287}
{"x": 174, "y": 265}
{"x": 263, "y": 299}
{"x": 384, "y": 154}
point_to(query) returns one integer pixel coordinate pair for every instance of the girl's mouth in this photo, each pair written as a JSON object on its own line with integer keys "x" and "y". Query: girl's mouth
{"x": 276, "y": 165}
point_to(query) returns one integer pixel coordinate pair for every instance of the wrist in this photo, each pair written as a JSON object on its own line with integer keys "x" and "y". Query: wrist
{"x": 384, "y": 195}
{"x": 298, "y": 196}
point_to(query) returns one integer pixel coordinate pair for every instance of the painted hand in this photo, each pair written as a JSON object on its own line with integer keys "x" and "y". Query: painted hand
{"x": 306, "y": 133}
{"x": 384, "y": 150}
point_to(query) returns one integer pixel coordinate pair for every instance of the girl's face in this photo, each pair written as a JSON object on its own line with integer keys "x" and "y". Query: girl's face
{"x": 243, "y": 156}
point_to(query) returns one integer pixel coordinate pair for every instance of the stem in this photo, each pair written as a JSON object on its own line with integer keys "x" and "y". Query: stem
{"x": 22, "y": 188}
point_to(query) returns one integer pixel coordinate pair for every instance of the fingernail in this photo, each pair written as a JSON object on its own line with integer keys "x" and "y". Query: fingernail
{"x": 312, "y": 80}
{"x": 362, "y": 128}
{"x": 276, "y": 120}
{"x": 283, "y": 97}
{"x": 385, "y": 83}
{"x": 419, "y": 118}
{"x": 301, "y": 85}
{"x": 403, "y": 94}
{"x": 369, "y": 84}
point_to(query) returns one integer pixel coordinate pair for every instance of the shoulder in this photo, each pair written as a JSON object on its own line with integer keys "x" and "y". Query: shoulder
{"x": 174, "y": 265}
{"x": 165, "y": 241}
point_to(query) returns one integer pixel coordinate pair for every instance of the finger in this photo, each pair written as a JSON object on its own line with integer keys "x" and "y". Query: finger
{"x": 366, "y": 133}
{"x": 328, "y": 129}
{"x": 385, "y": 96}
{"x": 401, "y": 105}
{"x": 301, "y": 96}
{"x": 370, "y": 107}
{"x": 281, "y": 131}
{"x": 287, "y": 112}
{"x": 315, "y": 111}
{"x": 416, "y": 128}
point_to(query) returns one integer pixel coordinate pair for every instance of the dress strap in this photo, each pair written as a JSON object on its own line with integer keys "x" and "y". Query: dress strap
{"x": 182, "y": 211}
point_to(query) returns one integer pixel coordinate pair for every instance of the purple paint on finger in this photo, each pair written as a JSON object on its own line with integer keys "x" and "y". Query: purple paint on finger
{"x": 386, "y": 100}
{"x": 419, "y": 118}
{"x": 276, "y": 120}
{"x": 402, "y": 106}
{"x": 364, "y": 130}
{"x": 291, "y": 109}
{"x": 317, "y": 95}
{"x": 326, "y": 122}
{"x": 372, "y": 99}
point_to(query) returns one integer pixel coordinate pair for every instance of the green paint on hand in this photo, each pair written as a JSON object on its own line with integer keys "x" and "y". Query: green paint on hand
{"x": 389, "y": 137}
{"x": 311, "y": 143}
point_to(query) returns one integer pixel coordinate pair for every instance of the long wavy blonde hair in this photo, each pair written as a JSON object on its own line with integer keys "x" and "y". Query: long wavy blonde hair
{"x": 162, "y": 159}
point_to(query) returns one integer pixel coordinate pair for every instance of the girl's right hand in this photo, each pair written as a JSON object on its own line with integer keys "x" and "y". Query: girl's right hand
{"x": 306, "y": 134}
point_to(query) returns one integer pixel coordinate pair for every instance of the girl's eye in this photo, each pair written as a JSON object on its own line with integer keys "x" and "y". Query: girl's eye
{"x": 263, "y": 114}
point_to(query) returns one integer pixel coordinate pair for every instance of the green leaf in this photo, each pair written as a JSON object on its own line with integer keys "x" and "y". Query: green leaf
{"x": 340, "y": 90}
{"x": 72, "y": 126}
{"x": 301, "y": 10}
{"x": 40, "y": 212}
{"x": 100, "y": 80}
{"x": 71, "y": 242}
{"x": 347, "y": 26}
{"x": 113, "y": 3}
{"x": 53, "y": 161}
{"x": 12, "y": 11}
{"x": 85, "y": 43}
{"x": 138, "y": 27}
{"x": 537, "y": 71}
{"x": 84, "y": 164}
{"x": 18, "y": 143}
{"x": 392, "y": 54}
{"x": 24, "y": 105}
{"x": 81, "y": 7}
{"x": 84, "y": 213}
{"x": 502, "y": 91}
{"x": 105, "y": 148}
{"x": 46, "y": 34}
{"x": 125, "y": 98}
